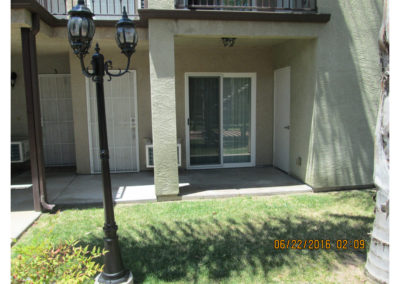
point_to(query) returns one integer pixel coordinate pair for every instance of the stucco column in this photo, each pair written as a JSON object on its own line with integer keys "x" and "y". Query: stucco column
{"x": 163, "y": 110}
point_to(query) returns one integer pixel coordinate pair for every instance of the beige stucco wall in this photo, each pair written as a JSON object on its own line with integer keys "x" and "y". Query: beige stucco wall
{"x": 335, "y": 81}
{"x": 47, "y": 64}
{"x": 220, "y": 59}
{"x": 161, "y": 4}
{"x": 300, "y": 55}
{"x": 20, "y": 18}
{"x": 346, "y": 97}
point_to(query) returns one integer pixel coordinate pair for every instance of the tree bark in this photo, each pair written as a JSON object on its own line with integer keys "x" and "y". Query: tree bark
{"x": 377, "y": 266}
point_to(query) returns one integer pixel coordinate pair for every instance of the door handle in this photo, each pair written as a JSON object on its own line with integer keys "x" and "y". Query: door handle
{"x": 287, "y": 127}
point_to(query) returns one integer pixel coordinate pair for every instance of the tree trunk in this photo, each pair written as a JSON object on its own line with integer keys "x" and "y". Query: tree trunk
{"x": 377, "y": 266}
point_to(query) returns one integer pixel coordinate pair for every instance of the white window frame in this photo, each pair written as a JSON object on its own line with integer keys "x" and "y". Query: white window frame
{"x": 253, "y": 77}
{"x": 87, "y": 82}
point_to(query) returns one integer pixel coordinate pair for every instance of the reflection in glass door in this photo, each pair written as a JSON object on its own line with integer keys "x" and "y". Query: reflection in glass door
{"x": 204, "y": 120}
{"x": 236, "y": 120}
{"x": 220, "y": 121}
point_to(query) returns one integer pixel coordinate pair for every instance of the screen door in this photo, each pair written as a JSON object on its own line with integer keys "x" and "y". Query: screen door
{"x": 120, "y": 101}
{"x": 57, "y": 120}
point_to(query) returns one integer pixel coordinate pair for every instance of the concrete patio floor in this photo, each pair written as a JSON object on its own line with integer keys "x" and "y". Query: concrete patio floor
{"x": 65, "y": 188}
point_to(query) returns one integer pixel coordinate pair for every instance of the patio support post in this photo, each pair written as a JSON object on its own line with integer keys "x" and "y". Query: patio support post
{"x": 163, "y": 108}
{"x": 33, "y": 112}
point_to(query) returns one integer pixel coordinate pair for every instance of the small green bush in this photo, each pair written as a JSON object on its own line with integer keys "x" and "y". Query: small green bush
{"x": 64, "y": 263}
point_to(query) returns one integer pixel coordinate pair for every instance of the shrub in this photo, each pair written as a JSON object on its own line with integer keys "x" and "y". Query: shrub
{"x": 64, "y": 263}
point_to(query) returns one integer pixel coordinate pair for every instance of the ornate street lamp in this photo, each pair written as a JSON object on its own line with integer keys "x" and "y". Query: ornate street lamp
{"x": 81, "y": 30}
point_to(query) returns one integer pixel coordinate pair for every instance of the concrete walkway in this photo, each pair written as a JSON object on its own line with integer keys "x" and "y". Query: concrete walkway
{"x": 21, "y": 221}
{"x": 67, "y": 189}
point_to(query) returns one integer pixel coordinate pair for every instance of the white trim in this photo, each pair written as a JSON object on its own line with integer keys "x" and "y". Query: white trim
{"x": 253, "y": 118}
{"x": 221, "y": 119}
{"x": 221, "y": 75}
{"x": 187, "y": 136}
{"x": 136, "y": 122}
{"x": 88, "y": 123}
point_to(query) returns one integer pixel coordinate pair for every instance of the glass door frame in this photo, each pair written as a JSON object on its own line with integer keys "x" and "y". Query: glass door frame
{"x": 253, "y": 78}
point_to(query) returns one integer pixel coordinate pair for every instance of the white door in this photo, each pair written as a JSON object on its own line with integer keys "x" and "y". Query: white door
{"x": 282, "y": 118}
{"x": 121, "y": 110}
{"x": 57, "y": 121}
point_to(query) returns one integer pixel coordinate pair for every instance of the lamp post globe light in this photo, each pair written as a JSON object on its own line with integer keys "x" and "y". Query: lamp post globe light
{"x": 81, "y": 30}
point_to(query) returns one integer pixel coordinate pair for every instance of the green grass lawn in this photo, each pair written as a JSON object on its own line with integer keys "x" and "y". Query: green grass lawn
{"x": 228, "y": 240}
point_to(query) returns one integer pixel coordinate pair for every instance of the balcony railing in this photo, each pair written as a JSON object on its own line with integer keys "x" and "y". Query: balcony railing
{"x": 102, "y": 9}
{"x": 250, "y": 5}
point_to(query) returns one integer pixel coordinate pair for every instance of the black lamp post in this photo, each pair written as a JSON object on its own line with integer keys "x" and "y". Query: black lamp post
{"x": 81, "y": 30}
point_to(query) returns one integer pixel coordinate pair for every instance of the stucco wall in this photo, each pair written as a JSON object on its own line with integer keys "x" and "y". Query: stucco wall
{"x": 347, "y": 93}
{"x": 48, "y": 64}
{"x": 335, "y": 81}
{"x": 161, "y": 4}
{"x": 220, "y": 59}
{"x": 300, "y": 55}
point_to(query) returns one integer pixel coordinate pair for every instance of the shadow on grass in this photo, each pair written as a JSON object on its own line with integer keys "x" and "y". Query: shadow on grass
{"x": 184, "y": 251}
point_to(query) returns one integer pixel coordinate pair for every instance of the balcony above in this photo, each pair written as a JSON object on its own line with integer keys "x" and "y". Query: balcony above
{"x": 277, "y": 6}
{"x": 106, "y": 12}
{"x": 55, "y": 12}
{"x": 103, "y": 9}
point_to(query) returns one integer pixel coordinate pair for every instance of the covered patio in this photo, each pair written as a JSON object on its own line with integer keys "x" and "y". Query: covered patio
{"x": 66, "y": 188}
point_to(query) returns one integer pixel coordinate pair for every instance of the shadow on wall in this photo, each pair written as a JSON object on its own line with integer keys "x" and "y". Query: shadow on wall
{"x": 346, "y": 100}
{"x": 201, "y": 251}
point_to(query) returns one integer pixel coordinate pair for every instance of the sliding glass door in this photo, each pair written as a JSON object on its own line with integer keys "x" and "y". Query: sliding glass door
{"x": 204, "y": 120}
{"x": 220, "y": 120}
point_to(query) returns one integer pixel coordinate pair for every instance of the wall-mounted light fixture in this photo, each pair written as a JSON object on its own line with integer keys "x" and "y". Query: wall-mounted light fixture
{"x": 13, "y": 78}
{"x": 228, "y": 41}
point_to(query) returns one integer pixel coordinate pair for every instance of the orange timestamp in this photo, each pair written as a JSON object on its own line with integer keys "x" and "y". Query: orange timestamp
{"x": 341, "y": 244}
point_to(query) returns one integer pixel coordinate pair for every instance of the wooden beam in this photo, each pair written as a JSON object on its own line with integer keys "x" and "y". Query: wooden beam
{"x": 26, "y": 39}
{"x": 33, "y": 113}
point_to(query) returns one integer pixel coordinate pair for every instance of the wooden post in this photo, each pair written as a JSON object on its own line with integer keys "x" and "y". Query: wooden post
{"x": 33, "y": 113}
